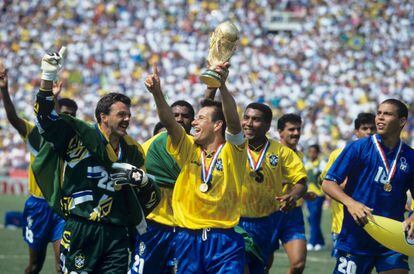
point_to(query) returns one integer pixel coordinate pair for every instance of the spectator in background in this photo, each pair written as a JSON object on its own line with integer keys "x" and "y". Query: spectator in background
{"x": 314, "y": 167}
{"x": 339, "y": 63}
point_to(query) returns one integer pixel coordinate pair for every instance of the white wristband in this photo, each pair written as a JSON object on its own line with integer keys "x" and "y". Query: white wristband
{"x": 48, "y": 76}
{"x": 235, "y": 139}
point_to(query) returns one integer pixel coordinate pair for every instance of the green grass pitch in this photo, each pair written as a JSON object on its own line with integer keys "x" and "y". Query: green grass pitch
{"x": 14, "y": 254}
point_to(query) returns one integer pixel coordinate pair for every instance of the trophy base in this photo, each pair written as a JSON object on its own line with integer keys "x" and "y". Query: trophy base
{"x": 211, "y": 78}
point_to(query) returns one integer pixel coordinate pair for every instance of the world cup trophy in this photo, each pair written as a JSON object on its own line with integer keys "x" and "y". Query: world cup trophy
{"x": 223, "y": 43}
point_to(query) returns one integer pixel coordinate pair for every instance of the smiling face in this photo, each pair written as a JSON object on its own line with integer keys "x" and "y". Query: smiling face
{"x": 387, "y": 120}
{"x": 290, "y": 135}
{"x": 254, "y": 125}
{"x": 116, "y": 121}
{"x": 204, "y": 127}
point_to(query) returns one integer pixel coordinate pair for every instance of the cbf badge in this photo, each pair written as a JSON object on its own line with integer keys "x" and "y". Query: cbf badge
{"x": 273, "y": 160}
{"x": 141, "y": 248}
{"x": 80, "y": 261}
{"x": 219, "y": 165}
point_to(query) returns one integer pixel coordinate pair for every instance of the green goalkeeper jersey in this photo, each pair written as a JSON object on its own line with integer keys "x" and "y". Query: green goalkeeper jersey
{"x": 82, "y": 151}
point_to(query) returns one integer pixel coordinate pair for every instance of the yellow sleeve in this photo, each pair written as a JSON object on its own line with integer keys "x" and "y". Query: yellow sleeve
{"x": 29, "y": 127}
{"x": 145, "y": 146}
{"x": 331, "y": 160}
{"x": 183, "y": 150}
{"x": 292, "y": 166}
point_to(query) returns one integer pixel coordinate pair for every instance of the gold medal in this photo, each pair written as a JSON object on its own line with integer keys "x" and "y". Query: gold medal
{"x": 387, "y": 187}
{"x": 203, "y": 187}
{"x": 252, "y": 174}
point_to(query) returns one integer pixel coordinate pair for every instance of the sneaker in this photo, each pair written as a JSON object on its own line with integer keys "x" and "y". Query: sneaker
{"x": 317, "y": 247}
{"x": 309, "y": 247}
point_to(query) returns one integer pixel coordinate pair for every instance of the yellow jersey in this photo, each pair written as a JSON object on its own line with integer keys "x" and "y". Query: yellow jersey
{"x": 34, "y": 189}
{"x": 260, "y": 188}
{"x": 314, "y": 170}
{"x": 336, "y": 207}
{"x": 219, "y": 204}
{"x": 287, "y": 187}
{"x": 156, "y": 146}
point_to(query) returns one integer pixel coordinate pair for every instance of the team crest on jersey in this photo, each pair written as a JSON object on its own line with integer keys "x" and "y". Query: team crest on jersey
{"x": 80, "y": 261}
{"x": 403, "y": 164}
{"x": 141, "y": 248}
{"x": 273, "y": 159}
{"x": 29, "y": 222}
{"x": 219, "y": 165}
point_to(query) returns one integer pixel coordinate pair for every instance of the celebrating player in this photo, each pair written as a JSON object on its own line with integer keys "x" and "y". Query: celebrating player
{"x": 378, "y": 175}
{"x": 154, "y": 252}
{"x": 104, "y": 194}
{"x": 293, "y": 237}
{"x": 206, "y": 199}
{"x": 364, "y": 126}
{"x": 41, "y": 224}
{"x": 268, "y": 163}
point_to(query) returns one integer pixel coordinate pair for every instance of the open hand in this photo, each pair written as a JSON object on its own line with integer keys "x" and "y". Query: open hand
{"x": 287, "y": 202}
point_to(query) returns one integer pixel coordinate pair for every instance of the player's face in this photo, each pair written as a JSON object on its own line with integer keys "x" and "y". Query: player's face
{"x": 183, "y": 117}
{"x": 290, "y": 135}
{"x": 117, "y": 121}
{"x": 387, "y": 120}
{"x": 68, "y": 110}
{"x": 204, "y": 127}
{"x": 313, "y": 153}
{"x": 253, "y": 124}
{"x": 365, "y": 130}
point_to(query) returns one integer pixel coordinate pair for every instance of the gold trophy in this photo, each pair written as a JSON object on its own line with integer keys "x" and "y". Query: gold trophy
{"x": 223, "y": 42}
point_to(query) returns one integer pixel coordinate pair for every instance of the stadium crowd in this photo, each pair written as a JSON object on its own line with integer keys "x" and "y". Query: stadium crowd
{"x": 342, "y": 62}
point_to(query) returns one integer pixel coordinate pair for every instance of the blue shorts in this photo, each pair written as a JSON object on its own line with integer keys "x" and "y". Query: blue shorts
{"x": 41, "y": 224}
{"x": 154, "y": 252}
{"x": 364, "y": 264}
{"x": 209, "y": 251}
{"x": 265, "y": 232}
{"x": 293, "y": 226}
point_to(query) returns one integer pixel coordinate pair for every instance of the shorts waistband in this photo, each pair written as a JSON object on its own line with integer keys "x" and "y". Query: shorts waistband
{"x": 160, "y": 225}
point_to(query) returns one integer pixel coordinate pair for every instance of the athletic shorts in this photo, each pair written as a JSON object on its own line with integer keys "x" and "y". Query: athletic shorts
{"x": 154, "y": 252}
{"x": 41, "y": 224}
{"x": 209, "y": 251}
{"x": 293, "y": 226}
{"x": 93, "y": 247}
{"x": 265, "y": 232}
{"x": 347, "y": 263}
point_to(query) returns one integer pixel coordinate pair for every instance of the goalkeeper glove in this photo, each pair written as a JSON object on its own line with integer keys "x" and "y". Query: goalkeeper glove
{"x": 126, "y": 174}
{"x": 51, "y": 64}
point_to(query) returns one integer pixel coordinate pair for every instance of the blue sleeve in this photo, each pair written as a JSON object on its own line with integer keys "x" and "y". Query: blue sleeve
{"x": 52, "y": 128}
{"x": 345, "y": 162}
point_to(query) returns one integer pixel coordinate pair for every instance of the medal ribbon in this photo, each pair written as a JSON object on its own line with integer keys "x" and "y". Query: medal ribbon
{"x": 207, "y": 172}
{"x": 256, "y": 165}
{"x": 381, "y": 152}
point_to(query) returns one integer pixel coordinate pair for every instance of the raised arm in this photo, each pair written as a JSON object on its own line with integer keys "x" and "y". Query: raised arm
{"x": 152, "y": 82}
{"x": 51, "y": 126}
{"x": 17, "y": 122}
{"x": 229, "y": 104}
